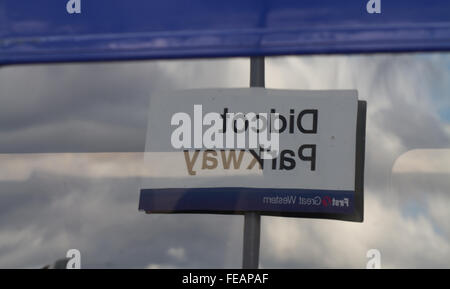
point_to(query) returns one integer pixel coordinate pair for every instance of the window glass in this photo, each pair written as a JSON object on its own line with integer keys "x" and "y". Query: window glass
{"x": 72, "y": 138}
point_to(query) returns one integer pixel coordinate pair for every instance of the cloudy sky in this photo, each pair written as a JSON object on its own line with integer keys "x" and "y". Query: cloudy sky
{"x": 71, "y": 136}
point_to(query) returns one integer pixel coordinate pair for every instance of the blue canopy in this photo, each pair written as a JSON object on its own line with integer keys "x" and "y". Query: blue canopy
{"x": 45, "y": 31}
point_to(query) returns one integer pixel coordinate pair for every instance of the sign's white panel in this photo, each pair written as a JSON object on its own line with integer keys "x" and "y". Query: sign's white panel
{"x": 251, "y": 148}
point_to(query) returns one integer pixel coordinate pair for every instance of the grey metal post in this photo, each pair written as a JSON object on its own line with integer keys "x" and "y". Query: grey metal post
{"x": 252, "y": 220}
{"x": 257, "y": 72}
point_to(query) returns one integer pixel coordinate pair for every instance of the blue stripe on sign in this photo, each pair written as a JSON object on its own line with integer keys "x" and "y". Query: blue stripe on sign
{"x": 240, "y": 199}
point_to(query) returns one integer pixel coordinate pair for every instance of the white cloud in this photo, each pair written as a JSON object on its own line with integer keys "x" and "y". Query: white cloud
{"x": 177, "y": 253}
{"x": 159, "y": 266}
{"x": 425, "y": 161}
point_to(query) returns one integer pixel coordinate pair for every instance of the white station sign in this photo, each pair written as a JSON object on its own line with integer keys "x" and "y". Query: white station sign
{"x": 277, "y": 152}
